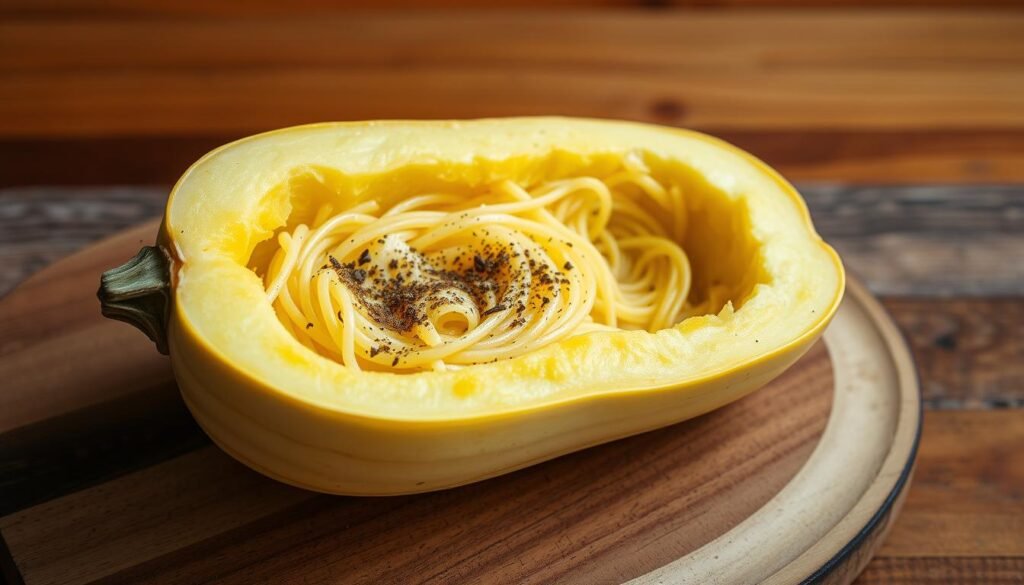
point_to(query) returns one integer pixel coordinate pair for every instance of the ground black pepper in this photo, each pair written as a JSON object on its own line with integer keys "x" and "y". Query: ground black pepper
{"x": 494, "y": 309}
{"x": 400, "y": 299}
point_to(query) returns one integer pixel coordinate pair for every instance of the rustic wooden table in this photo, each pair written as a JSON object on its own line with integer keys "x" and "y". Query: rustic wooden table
{"x": 904, "y": 129}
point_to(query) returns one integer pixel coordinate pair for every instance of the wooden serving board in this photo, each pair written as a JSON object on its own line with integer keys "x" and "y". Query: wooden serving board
{"x": 104, "y": 477}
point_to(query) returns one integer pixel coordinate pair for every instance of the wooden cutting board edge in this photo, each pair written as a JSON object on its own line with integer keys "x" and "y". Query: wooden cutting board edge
{"x": 865, "y": 527}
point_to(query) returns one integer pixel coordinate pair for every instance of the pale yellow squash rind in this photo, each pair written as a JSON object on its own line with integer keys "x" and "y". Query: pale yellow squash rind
{"x": 305, "y": 419}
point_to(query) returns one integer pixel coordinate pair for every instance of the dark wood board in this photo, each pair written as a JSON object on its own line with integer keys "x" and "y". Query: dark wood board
{"x": 200, "y": 516}
{"x": 606, "y": 514}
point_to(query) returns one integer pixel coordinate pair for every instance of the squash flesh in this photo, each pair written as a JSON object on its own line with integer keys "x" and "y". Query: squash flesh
{"x": 231, "y": 201}
{"x": 305, "y": 419}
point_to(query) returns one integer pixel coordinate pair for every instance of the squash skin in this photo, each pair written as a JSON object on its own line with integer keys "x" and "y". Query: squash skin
{"x": 340, "y": 450}
{"x": 336, "y": 452}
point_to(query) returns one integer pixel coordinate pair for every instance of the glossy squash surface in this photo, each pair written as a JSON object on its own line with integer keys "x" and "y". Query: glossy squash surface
{"x": 307, "y": 420}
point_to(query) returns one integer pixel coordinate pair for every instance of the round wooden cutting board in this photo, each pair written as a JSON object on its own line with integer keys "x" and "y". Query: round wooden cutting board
{"x": 106, "y": 477}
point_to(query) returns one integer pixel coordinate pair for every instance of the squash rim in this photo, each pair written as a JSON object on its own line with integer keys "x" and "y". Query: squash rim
{"x": 253, "y": 381}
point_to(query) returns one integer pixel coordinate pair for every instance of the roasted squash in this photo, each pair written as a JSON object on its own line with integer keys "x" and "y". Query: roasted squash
{"x": 768, "y": 283}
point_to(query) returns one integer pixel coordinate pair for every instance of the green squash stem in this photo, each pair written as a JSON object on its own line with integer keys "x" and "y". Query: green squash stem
{"x": 139, "y": 293}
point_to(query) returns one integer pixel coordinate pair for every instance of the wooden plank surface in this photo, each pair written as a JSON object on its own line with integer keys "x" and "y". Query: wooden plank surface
{"x": 861, "y": 95}
{"x": 963, "y": 520}
{"x": 968, "y": 495}
{"x": 808, "y": 71}
{"x": 64, "y": 8}
{"x": 969, "y": 352}
{"x": 855, "y": 155}
{"x": 930, "y": 45}
{"x": 943, "y": 571}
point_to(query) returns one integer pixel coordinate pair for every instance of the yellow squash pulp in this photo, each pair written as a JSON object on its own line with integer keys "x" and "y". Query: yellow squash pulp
{"x": 760, "y": 288}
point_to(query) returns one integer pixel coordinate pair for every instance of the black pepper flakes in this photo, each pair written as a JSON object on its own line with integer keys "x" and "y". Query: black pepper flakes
{"x": 401, "y": 300}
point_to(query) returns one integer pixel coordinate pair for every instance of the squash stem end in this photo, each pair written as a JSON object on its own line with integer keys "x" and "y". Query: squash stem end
{"x": 139, "y": 293}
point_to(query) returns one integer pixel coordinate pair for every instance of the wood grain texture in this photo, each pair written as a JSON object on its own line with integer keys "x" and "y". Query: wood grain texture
{"x": 251, "y": 100}
{"x": 623, "y": 41}
{"x": 963, "y": 521}
{"x": 929, "y": 241}
{"x": 943, "y": 571}
{"x": 869, "y": 155}
{"x": 59, "y": 308}
{"x": 968, "y": 496}
{"x": 648, "y": 498}
{"x": 820, "y": 94}
{"x": 40, "y": 226}
{"x": 805, "y": 69}
{"x": 859, "y": 155}
{"x": 969, "y": 352}
{"x": 51, "y": 458}
{"x": 127, "y": 8}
